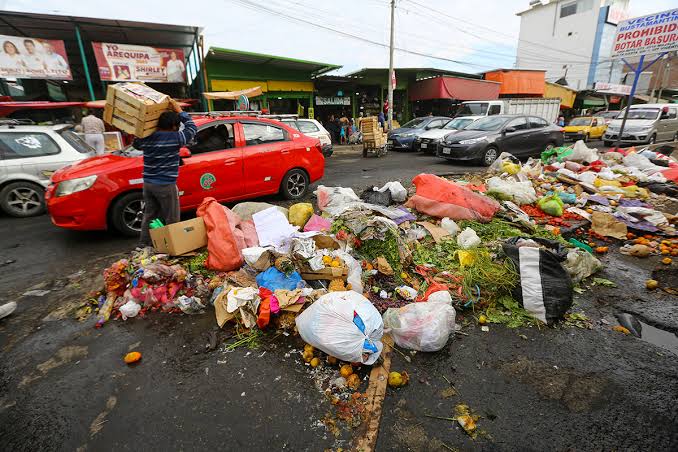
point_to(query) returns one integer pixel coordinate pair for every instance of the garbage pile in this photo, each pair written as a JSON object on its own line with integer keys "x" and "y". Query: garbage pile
{"x": 506, "y": 247}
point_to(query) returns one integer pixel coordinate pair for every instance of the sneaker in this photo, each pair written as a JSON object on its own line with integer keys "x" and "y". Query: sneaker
{"x": 7, "y": 309}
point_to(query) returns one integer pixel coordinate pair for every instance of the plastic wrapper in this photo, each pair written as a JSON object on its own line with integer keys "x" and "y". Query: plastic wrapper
{"x": 425, "y": 327}
{"x": 318, "y": 224}
{"x": 398, "y": 192}
{"x": 300, "y": 213}
{"x": 190, "y": 305}
{"x": 129, "y": 309}
{"x": 345, "y": 325}
{"x": 468, "y": 239}
{"x": 508, "y": 190}
{"x": 551, "y": 205}
{"x": 450, "y": 226}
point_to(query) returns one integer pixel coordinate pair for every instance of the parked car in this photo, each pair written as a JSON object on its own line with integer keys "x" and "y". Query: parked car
{"x": 429, "y": 140}
{"x": 547, "y": 108}
{"x": 314, "y": 129}
{"x": 585, "y": 128}
{"x": 486, "y": 138}
{"x": 608, "y": 116}
{"x": 29, "y": 155}
{"x": 258, "y": 157}
{"x": 403, "y": 137}
{"x": 645, "y": 124}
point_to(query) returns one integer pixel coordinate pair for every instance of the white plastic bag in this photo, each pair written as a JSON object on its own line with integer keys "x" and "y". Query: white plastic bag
{"x": 328, "y": 325}
{"x": 129, "y": 309}
{"x": 442, "y": 296}
{"x": 582, "y": 153}
{"x": 425, "y": 327}
{"x": 355, "y": 271}
{"x": 450, "y": 226}
{"x": 468, "y": 239}
{"x": 498, "y": 165}
{"x": 398, "y": 192}
{"x": 508, "y": 190}
{"x": 581, "y": 264}
{"x": 257, "y": 257}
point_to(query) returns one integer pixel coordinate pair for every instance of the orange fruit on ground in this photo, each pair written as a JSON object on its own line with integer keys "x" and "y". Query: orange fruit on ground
{"x": 132, "y": 357}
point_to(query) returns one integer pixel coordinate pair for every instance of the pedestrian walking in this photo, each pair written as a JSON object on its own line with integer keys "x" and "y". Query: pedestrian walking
{"x": 94, "y": 129}
{"x": 161, "y": 167}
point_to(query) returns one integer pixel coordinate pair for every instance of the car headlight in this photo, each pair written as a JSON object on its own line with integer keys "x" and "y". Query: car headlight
{"x": 70, "y": 186}
{"x": 406, "y": 135}
{"x": 473, "y": 140}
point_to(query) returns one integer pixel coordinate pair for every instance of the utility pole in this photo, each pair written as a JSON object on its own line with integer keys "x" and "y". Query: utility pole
{"x": 390, "y": 71}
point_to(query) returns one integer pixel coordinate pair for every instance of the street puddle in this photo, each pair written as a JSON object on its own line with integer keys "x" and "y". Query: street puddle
{"x": 660, "y": 338}
{"x": 649, "y": 333}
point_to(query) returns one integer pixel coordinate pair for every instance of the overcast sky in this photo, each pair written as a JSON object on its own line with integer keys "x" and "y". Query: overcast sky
{"x": 482, "y": 34}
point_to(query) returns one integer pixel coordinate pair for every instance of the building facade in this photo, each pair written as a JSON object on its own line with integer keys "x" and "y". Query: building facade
{"x": 571, "y": 40}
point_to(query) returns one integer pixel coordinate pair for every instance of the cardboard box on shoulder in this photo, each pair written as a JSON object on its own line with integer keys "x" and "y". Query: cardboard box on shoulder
{"x": 134, "y": 108}
{"x": 180, "y": 238}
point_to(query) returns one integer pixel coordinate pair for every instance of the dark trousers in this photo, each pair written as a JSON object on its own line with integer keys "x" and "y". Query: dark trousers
{"x": 160, "y": 201}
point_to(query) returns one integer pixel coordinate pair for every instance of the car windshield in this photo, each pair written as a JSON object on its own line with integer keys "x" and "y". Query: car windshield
{"x": 477, "y": 108}
{"x": 488, "y": 124}
{"x": 75, "y": 141}
{"x": 581, "y": 122}
{"x": 415, "y": 123}
{"x": 457, "y": 124}
{"x": 609, "y": 114}
{"x": 292, "y": 124}
{"x": 641, "y": 113}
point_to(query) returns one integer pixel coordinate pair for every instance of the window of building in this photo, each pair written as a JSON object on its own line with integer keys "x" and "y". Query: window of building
{"x": 262, "y": 133}
{"x": 26, "y": 145}
{"x": 568, "y": 9}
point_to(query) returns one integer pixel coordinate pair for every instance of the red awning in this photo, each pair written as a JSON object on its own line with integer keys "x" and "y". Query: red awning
{"x": 7, "y": 108}
{"x": 447, "y": 87}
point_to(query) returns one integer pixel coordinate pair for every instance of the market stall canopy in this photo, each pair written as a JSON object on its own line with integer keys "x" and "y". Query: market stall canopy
{"x": 7, "y": 108}
{"x": 453, "y": 88}
{"x": 519, "y": 81}
{"x": 234, "y": 95}
{"x": 565, "y": 94}
{"x": 313, "y": 68}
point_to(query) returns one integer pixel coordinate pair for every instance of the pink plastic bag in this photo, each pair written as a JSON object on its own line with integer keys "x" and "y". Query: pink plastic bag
{"x": 441, "y": 198}
{"x": 317, "y": 223}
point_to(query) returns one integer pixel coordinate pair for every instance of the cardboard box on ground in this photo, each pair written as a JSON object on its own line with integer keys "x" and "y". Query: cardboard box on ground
{"x": 134, "y": 108}
{"x": 180, "y": 238}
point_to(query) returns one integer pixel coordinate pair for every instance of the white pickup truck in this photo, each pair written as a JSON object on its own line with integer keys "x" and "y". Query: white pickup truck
{"x": 544, "y": 108}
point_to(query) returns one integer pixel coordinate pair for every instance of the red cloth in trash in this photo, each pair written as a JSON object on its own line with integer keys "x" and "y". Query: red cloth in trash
{"x": 671, "y": 174}
{"x": 223, "y": 253}
{"x": 264, "y": 308}
{"x": 440, "y": 198}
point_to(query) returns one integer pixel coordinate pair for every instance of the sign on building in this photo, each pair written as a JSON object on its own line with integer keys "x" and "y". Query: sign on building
{"x": 646, "y": 35}
{"x": 612, "y": 88}
{"x": 126, "y": 62}
{"x": 23, "y": 57}
{"x": 319, "y": 100}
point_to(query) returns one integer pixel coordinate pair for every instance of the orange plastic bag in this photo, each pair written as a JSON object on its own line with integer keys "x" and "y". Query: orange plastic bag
{"x": 441, "y": 198}
{"x": 222, "y": 249}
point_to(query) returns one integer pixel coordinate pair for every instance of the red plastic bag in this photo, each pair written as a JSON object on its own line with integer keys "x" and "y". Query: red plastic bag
{"x": 222, "y": 248}
{"x": 440, "y": 198}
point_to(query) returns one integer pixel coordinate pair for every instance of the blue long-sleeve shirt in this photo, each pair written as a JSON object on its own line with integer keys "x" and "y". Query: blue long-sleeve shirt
{"x": 161, "y": 152}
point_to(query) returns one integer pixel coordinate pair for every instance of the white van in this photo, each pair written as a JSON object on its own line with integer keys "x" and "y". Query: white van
{"x": 646, "y": 124}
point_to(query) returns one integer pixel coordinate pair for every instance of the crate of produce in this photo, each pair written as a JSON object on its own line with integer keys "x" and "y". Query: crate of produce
{"x": 134, "y": 108}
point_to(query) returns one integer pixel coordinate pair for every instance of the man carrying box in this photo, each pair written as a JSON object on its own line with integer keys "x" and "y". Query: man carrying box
{"x": 161, "y": 167}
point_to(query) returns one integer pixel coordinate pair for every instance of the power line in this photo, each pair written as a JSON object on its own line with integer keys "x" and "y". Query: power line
{"x": 256, "y": 7}
{"x": 541, "y": 46}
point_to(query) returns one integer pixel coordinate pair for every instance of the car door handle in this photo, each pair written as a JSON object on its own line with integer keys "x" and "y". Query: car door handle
{"x": 285, "y": 151}
{"x": 230, "y": 162}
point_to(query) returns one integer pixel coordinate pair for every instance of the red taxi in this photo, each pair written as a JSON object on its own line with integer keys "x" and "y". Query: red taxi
{"x": 231, "y": 158}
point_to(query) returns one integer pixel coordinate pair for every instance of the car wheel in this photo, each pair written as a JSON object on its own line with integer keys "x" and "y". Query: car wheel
{"x": 127, "y": 214}
{"x": 295, "y": 184}
{"x": 653, "y": 139}
{"x": 22, "y": 199}
{"x": 586, "y": 138}
{"x": 607, "y": 144}
{"x": 491, "y": 154}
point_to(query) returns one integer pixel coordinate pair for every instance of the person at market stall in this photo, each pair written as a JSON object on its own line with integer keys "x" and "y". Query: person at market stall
{"x": 94, "y": 129}
{"x": 161, "y": 167}
{"x": 33, "y": 61}
{"x": 175, "y": 69}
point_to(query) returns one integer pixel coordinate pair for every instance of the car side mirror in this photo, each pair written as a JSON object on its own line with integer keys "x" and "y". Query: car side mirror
{"x": 184, "y": 152}
{"x": 509, "y": 130}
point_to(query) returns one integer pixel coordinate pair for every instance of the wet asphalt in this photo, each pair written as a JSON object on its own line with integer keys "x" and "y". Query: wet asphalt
{"x": 63, "y": 385}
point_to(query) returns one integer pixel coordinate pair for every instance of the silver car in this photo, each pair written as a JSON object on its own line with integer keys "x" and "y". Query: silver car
{"x": 29, "y": 155}
{"x": 646, "y": 124}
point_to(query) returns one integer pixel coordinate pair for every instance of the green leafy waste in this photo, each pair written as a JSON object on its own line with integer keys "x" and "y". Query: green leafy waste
{"x": 196, "y": 265}
{"x": 507, "y": 311}
{"x": 498, "y": 229}
{"x": 388, "y": 248}
{"x": 494, "y": 275}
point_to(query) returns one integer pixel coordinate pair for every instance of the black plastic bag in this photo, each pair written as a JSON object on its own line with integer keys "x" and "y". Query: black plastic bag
{"x": 375, "y": 197}
{"x": 545, "y": 289}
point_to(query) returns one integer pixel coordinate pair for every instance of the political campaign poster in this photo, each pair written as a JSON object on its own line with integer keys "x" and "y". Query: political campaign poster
{"x": 23, "y": 57}
{"x": 127, "y": 62}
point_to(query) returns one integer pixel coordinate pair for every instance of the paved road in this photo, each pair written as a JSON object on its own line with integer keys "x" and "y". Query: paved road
{"x": 63, "y": 385}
